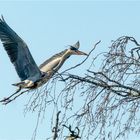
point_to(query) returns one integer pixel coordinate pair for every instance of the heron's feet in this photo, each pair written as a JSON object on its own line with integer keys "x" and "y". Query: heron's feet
{"x": 12, "y": 97}
{"x": 5, "y": 101}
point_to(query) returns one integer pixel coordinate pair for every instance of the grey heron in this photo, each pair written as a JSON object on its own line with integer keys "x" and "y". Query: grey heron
{"x": 30, "y": 74}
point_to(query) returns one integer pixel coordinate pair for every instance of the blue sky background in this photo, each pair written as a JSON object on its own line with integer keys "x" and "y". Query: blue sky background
{"x": 48, "y": 27}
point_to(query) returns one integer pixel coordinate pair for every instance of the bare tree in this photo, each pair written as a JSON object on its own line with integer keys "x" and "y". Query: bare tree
{"x": 111, "y": 93}
{"x": 102, "y": 104}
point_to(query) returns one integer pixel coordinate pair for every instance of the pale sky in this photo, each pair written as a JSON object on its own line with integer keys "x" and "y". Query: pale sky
{"x": 48, "y": 27}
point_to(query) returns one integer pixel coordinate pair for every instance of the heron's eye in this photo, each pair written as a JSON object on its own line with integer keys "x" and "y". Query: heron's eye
{"x": 73, "y": 48}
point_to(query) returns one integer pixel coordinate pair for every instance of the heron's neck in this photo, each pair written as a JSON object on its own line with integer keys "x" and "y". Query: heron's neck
{"x": 63, "y": 58}
{"x": 55, "y": 62}
{"x": 66, "y": 55}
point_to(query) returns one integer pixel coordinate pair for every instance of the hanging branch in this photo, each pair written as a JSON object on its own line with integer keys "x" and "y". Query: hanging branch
{"x": 55, "y": 129}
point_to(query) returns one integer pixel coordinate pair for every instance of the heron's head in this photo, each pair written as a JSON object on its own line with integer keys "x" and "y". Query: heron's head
{"x": 73, "y": 50}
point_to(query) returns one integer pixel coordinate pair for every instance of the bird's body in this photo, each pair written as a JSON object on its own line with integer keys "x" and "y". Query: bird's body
{"x": 30, "y": 74}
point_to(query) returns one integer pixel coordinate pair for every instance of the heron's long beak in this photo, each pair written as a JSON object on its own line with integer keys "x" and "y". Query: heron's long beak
{"x": 80, "y": 53}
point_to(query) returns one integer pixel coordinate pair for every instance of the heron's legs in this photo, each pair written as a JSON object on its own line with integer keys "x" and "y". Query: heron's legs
{"x": 18, "y": 90}
{"x": 9, "y": 99}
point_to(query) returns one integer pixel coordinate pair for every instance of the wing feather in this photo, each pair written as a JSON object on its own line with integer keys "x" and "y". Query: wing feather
{"x": 18, "y": 53}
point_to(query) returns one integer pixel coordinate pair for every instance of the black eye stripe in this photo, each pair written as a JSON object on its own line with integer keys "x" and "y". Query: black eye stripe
{"x": 73, "y": 48}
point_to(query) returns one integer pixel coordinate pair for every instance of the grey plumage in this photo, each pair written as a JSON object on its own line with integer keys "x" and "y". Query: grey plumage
{"x": 30, "y": 74}
{"x": 18, "y": 53}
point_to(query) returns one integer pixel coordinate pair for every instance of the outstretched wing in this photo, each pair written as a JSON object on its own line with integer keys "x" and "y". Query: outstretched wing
{"x": 18, "y": 53}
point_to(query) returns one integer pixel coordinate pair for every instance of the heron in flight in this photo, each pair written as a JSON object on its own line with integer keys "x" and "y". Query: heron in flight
{"x": 30, "y": 74}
